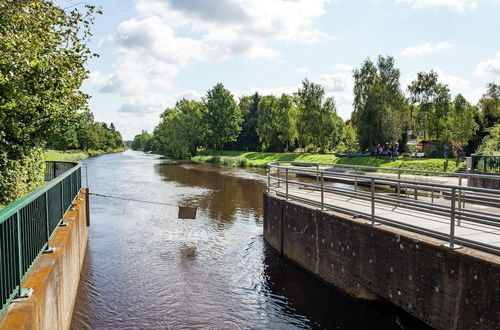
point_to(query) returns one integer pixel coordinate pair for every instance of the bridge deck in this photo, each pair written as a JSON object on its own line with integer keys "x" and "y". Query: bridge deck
{"x": 400, "y": 214}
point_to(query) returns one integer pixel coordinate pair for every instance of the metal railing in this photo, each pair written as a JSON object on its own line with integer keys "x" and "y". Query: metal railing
{"x": 27, "y": 225}
{"x": 457, "y": 203}
{"x": 485, "y": 163}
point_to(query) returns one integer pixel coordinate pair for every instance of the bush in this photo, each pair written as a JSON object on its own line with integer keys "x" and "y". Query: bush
{"x": 19, "y": 177}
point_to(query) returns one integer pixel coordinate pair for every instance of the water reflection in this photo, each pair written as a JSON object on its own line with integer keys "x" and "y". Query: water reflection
{"x": 145, "y": 268}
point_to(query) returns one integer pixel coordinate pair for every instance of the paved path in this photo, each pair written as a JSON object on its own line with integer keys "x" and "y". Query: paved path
{"x": 419, "y": 218}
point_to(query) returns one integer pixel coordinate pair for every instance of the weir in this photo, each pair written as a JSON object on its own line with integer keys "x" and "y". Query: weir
{"x": 43, "y": 242}
{"x": 435, "y": 258}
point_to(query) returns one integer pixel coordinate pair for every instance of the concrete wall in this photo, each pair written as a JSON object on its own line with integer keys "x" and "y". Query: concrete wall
{"x": 54, "y": 279}
{"x": 446, "y": 289}
{"x": 484, "y": 182}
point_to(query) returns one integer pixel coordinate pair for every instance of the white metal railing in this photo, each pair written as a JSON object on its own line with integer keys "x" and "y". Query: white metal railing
{"x": 460, "y": 204}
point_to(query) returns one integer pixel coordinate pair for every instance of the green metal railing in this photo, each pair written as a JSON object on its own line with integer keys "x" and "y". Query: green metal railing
{"x": 485, "y": 163}
{"x": 27, "y": 225}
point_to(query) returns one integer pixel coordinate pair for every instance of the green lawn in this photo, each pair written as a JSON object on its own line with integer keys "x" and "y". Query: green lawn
{"x": 75, "y": 155}
{"x": 260, "y": 159}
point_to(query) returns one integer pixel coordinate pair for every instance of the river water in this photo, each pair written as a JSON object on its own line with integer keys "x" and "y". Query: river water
{"x": 147, "y": 269}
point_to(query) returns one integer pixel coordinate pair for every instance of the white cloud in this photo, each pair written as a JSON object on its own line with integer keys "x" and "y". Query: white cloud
{"x": 459, "y": 5}
{"x": 425, "y": 48}
{"x": 169, "y": 35}
{"x": 302, "y": 70}
{"x": 343, "y": 67}
{"x": 490, "y": 66}
{"x": 337, "y": 82}
{"x": 456, "y": 84}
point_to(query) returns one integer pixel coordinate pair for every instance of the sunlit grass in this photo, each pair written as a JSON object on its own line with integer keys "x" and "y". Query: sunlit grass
{"x": 260, "y": 159}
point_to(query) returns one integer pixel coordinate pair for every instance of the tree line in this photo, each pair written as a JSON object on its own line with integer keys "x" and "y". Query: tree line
{"x": 307, "y": 120}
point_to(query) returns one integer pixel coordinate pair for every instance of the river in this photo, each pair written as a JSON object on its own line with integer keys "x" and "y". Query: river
{"x": 145, "y": 268}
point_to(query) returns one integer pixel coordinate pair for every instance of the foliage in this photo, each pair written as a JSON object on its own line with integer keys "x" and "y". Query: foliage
{"x": 461, "y": 126}
{"x": 181, "y": 130}
{"x": 491, "y": 144}
{"x": 276, "y": 122}
{"x": 489, "y": 105}
{"x": 20, "y": 176}
{"x": 141, "y": 141}
{"x": 379, "y": 105}
{"x": 317, "y": 122}
{"x": 43, "y": 50}
{"x": 222, "y": 117}
{"x": 433, "y": 104}
{"x": 248, "y": 138}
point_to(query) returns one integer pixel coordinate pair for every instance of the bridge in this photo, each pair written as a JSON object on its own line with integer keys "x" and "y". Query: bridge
{"x": 427, "y": 243}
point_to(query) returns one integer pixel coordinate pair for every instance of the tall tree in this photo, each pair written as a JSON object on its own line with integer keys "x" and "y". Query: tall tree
{"x": 317, "y": 122}
{"x": 489, "y": 105}
{"x": 248, "y": 138}
{"x": 222, "y": 117}
{"x": 461, "y": 126}
{"x": 433, "y": 101}
{"x": 379, "y": 104}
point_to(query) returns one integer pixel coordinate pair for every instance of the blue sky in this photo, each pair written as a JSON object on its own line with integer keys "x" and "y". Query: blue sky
{"x": 154, "y": 52}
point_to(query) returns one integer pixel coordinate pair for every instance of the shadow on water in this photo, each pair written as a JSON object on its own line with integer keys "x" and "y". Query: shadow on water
{"x": 145, "y": 268}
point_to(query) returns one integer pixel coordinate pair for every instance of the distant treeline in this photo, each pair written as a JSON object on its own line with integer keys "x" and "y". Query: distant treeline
{"x": 307, "y": 120}
{"x": 86, "y": 134}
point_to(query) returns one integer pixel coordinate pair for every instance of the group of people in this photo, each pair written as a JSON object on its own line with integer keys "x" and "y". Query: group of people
{"x": 459, "y": 151}
{"x": 385, "y": 150}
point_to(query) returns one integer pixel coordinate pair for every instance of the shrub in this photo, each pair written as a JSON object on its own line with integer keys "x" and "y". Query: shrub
{"x": 19, "y": 177}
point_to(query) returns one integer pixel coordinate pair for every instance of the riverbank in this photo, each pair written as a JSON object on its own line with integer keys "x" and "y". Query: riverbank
{"x": 260, "y": 159}
{"x": 76, "y": 155}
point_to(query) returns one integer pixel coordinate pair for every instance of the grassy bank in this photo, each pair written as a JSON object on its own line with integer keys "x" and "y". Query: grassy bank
{"x": 260, "y": 159}
{"x": 76, "y": 155}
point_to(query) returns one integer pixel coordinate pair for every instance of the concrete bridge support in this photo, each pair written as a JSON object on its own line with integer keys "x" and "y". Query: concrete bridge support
{"x": 54, "y": 278}
{"x": 447, "y": 289}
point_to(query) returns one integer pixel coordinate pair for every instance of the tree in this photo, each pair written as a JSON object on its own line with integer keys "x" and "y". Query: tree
{"x": 276, "y": 122}
{"x": 222, "y": 118}
{"x": 489, "y": 105}
{"x": 379, "y": 105}
{"x": 433, "y": 101}
{"x": 461, "y": 126}
{"x": 141, "y": 140}
{"x": 317, "y": 122}
{"x": 43, "y": 51}
{"x": 248, "y": 138}
{"x": 491, "y": 144}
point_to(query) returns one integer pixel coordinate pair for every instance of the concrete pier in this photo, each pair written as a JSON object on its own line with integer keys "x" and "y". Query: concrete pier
{"x": 447, "y": 289}
{"x": 54, "y": 278}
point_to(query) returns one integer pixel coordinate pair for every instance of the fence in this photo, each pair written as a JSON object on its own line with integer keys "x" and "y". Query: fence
{"x": 27, "y": 224}
{"x": 485, "y": 163}
{"x": 457, "y": 203}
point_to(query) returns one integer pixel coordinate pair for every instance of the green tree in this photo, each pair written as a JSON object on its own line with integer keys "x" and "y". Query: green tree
{"x": 489, "y": 105}
{"x": 317, "y": 123}
{"x": 222, "y": 118}
{"x": 43, "y": 51}
{"x": 379, "y": 105}
{"x": 276, "y": 122}
{"x": 491, "y": 143}
{"x": 433, "y": 104}
{"x": 248, "y": 138}
{"x": 461, "y": 126}
{"x": 140, "y": 141}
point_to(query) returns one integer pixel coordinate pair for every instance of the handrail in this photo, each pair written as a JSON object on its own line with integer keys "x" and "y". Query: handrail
{"x": 399, "y": 170}
{"x": 27, "y": 224}
{"x": 452, "y": 201}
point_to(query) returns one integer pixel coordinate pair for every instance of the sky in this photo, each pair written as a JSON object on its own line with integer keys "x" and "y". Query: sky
{"x": 155, "y": 52}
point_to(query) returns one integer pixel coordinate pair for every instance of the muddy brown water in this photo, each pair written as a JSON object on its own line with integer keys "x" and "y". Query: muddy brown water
{"x": 147, "y": 269}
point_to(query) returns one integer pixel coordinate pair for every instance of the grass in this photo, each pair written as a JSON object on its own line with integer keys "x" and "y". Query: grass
{"x": 75, "y": 155}
{"x": 260, "y": 159}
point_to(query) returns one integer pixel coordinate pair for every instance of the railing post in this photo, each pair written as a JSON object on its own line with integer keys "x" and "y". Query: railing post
{"x": 415, "y": 189}
{"x": 373, "y": 200}
{"x": 356, "y": 179}
{"x": 23, "y": 292}
{"x": 268, "y": 179}
{"x": 278, "y": 174}
{"x": 286, "y": 182}
{"x": 399, "y": 184}
{"x": 452, "y": 244}
{"x": 322, "y": 193}
{"x": 317, "y": 173}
